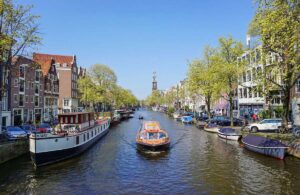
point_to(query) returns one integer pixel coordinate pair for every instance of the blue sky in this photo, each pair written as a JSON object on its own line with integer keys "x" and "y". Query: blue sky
{"x": 137, "y": 37}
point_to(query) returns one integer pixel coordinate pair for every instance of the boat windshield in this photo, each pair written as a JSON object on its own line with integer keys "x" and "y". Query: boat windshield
{"x": 155, "y": 135}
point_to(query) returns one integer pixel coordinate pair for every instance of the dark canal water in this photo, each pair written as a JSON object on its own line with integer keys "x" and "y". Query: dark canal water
{"x": 198, "y": 163}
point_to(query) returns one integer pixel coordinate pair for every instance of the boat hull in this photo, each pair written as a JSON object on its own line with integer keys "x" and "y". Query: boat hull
{"x": 212, "y": 130}
{"x": 46, "y": 158}
{"x": 161, "y": 147}
{"x": 229, "y": 137}
{"x": 273, "y": 151}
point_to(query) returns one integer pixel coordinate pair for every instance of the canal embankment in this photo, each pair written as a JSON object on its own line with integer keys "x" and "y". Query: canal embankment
{"x": 13, "y": 149}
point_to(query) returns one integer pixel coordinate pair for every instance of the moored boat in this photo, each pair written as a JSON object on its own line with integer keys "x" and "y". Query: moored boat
{"x": 211, "y": 127}
{"x": 266, "y": 146}
{"x": 75, "y": 133}
{"x": 152, "y": 137}
{"x": 229, "y": 133}
{"x": 187, "y": 119}
{"x": 177, "y": 115}
{"x": 141, "y": 117}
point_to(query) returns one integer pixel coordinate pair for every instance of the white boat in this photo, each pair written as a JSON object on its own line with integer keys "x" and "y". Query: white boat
{"x": 212, "y": 128}
{"x": 75, "y": 133}
{"x": 229, "y": 133}
{"x": 177, "y": 115}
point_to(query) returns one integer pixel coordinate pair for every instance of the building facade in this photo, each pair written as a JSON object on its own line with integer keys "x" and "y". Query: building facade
{"x": 27, "y": 91}
{"x": 51, "y": 92}
{"x": 5, "y": 91}
{"x": 67, "y": 73}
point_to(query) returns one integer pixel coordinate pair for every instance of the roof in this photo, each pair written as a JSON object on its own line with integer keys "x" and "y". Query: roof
{"x": 74, "y": 113}
{"x": 46, "y": 65}
{"x": 60, "y": 59}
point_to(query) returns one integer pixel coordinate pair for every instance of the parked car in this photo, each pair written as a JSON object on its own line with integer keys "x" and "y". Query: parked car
{"x": 28, "y": 128}
{"x": 225, "y": 121}
{"x": 267, "y": 125}
{"x": 44, "y": 128}
{"x": 14, "y": 133}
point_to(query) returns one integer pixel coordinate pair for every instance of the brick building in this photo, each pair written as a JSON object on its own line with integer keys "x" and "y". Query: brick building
{"x": 26, "y": 91}
{"x": 67, "y": 73}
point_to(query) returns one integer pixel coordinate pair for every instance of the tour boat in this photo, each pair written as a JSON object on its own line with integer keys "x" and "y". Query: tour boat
{"x": 152, "y": 137}
{"x": 211, "y": 127}
{"x": 187, "y": 119}
{"x": 229, "y": 133}
{"x": 75, "y": 133}
{"x": 266, "y": 146}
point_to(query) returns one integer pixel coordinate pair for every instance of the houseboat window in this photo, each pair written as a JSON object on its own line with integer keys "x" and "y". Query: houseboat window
{"x": 95, "y": 131}
{"x": 77, "y": 140}
{"x": 92, "y": 133}
{"x": 88, "y": 135}
{"x": 84, "y": 137}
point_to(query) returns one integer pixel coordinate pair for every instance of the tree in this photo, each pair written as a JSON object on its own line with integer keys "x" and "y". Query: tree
{"x": 87, "y": 90}
{"x": 155, "y": 99}
{"x": 18, "y": 34}
{"x": 277, "y": 22}
{"x": 227, "y": 70}
{"x": 201, "y": 80}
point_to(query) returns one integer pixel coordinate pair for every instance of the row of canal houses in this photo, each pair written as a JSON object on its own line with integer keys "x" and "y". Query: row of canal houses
{"x": 247, "y": 99}
{"x": 39, "y": 88}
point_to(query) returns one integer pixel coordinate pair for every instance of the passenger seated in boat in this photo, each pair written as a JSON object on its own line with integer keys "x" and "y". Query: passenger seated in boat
{"x": 162, "y": 135}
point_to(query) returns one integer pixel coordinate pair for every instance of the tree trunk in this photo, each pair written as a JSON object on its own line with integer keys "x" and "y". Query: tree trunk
{"x": 231, "y": 109}
{"x": 286, "y": 108}
{"x": 208, "y": 106}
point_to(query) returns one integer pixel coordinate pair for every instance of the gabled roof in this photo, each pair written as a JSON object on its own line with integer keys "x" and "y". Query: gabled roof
{"x": 60, "y": 59}
{"x": 46, "y": 65}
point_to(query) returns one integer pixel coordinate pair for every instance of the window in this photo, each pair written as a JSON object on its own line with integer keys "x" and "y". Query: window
{"x": 248, "y": 75}
{"x": 250, "y": 92}
{"x": 32, "y": 85}
{"x": 84, "y": 137}
{"x": 26, "y": 99}
{"x": 244, "y": 77}
{"x": 254, "y": 92}
{"x": 36, "y": 90}
{"x": 15, "y": 98}
{"x": 16, "y": 82}
{"x": 36, "y": 100}
{"x": 88, "y": 136}
{"x": 22, "y": 71}
{"x": 241, "y": 92}
{"x": 298, "y": 86}
{"x": 22, "y": 86}
{"x": 66, "y": 102}
{"x": 21, "y": 100}
{"x": 37, "y": 76}
{"x": 245, "y": 92}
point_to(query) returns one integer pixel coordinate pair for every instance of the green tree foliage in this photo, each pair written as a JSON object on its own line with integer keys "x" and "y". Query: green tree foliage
{"x": 100, "y": 86}
{"x": 277, "y": 22}
{"x": 201, "y": 79}
{"x": 227, "y": 70}
{"x": 155, "y": 99}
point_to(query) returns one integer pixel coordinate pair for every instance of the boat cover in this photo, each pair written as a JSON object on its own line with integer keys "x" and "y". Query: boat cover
{"x": 211, "y": 125}
{"x": 262, "y": 142}
{"x": 228, "y": 131}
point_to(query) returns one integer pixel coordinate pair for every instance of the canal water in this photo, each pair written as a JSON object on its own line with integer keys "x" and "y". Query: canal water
{"x": 197, "y": 163}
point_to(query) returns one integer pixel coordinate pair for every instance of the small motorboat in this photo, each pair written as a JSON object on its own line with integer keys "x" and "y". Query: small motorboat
{"x": 211, "y": 127}
{"x": 266, "y": 146}
{"x": 177, "y": 116}
{"x": 141, "y": 117}
{"x": 187, "y": 119}
{"x": 229, "y": 133}
{"x": 152, "y": 137}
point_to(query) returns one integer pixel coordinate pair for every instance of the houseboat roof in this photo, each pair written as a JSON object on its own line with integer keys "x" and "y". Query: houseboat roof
{"x": 74, "y": 113}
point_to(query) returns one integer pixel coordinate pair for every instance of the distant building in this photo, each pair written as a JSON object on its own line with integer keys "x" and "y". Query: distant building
{"x": 5, "y": 90}
{"x": 66, "y": 67}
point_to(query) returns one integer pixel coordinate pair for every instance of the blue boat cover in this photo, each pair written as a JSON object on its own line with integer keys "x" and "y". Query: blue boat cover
{"x": 211, "y": 125}
{"x": 228, "y": 131}
{"x": 187, "y": 118}
{"x": 262, "y": 141}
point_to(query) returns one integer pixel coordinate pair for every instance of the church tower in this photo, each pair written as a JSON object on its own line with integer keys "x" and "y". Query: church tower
{"x": 154, "y": 82}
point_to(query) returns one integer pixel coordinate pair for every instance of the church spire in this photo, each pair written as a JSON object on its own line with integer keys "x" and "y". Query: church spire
{"x": 154, "y": 82}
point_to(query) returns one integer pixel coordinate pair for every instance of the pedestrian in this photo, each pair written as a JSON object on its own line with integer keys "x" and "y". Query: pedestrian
{"x": 254, "y": 117}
